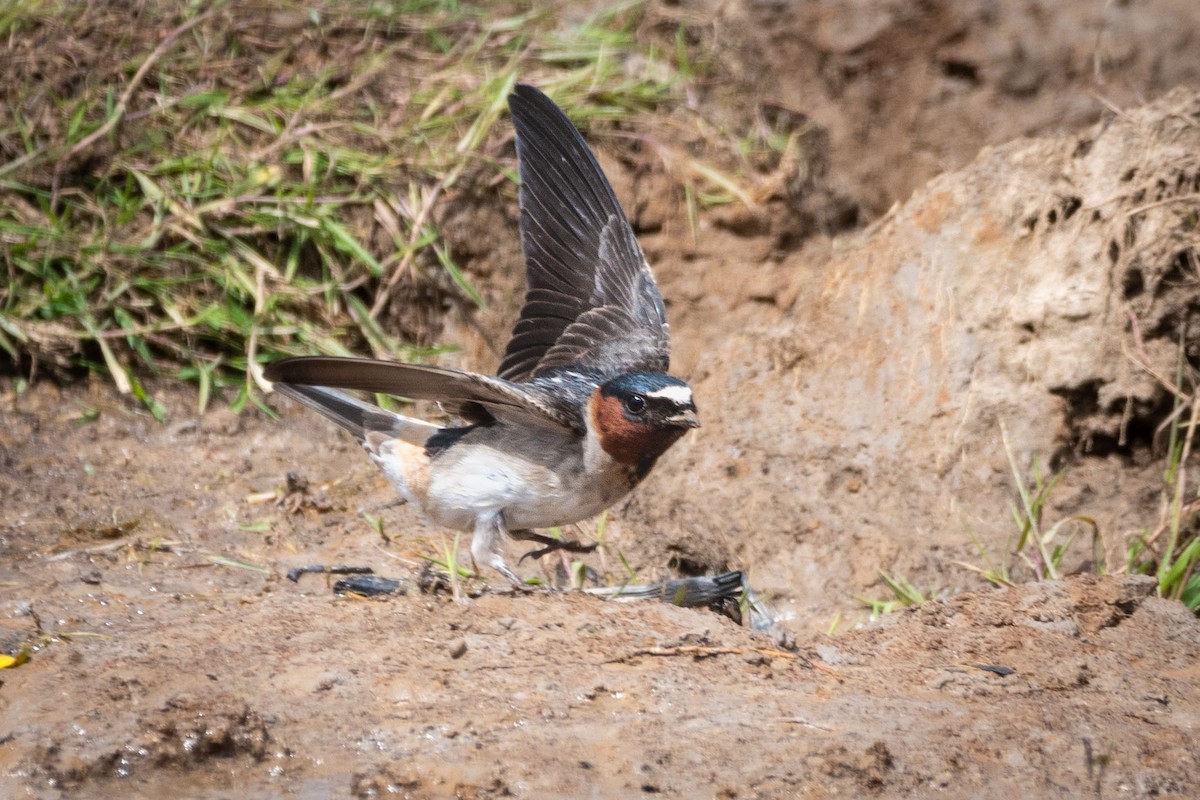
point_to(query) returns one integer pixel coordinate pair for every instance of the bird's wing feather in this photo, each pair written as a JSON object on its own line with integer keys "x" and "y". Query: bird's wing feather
{"x": 592, "y": 301}
{"x": 477, "y": 398}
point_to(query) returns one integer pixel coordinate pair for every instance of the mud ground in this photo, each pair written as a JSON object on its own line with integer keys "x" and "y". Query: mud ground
{"x": 173, "y": 657}
{"x": 146, "y": 562}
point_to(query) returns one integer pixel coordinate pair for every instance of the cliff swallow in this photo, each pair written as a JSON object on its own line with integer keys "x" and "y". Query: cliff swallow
{"x": 581, "y": 406}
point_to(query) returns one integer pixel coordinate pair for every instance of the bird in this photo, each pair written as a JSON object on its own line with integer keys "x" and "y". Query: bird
{"x": 581, "y": 406}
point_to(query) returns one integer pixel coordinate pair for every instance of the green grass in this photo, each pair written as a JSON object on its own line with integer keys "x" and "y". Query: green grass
{"x": 190, "y": 195}
{"x": 903, "y": 594}
{"x": 1170, "y": 552}
{"x": 1041, "y": 549}
{"x": 452, "y": 566}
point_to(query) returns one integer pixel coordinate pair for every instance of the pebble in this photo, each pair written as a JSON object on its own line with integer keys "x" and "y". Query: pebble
{"x": 458, "y": 648}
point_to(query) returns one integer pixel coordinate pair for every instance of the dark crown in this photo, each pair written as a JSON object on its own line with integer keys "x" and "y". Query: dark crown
{"x": 653, "y": 398}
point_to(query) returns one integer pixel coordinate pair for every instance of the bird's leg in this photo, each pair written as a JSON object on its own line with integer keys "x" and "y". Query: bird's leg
{"x": 551, "y": 544}
{"x": 487, "y": 547}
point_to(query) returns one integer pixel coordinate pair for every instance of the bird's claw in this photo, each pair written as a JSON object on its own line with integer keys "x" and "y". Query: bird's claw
{"x": 570, "y": 545}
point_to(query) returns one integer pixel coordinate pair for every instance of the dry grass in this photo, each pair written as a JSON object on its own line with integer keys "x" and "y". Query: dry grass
{"x": 187, "y": 195}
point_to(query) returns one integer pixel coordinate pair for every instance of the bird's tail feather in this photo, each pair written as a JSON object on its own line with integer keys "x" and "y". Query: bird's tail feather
{"x": 358, "y": 417}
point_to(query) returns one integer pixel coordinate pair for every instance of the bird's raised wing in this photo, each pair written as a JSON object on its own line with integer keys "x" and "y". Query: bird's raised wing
{"x": 477, "y": 398}
{"x": 591, "y": 301}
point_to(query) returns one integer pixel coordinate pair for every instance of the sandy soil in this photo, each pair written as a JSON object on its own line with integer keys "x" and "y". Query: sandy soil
{"x": 145, "y": 563}
{"x": 162, "y": 668}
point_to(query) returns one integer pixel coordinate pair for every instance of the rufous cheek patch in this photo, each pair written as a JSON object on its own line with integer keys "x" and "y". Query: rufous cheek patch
{"x": 628, "y": 442}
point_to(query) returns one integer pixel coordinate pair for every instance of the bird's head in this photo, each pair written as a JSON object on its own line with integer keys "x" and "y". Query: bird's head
{"x": 638, "y": 415}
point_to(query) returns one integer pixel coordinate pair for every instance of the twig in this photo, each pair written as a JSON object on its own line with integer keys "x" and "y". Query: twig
{"x": 1164, "y": 202}
{"x": 802, "y": 721}
{"x": 136, "y": 544}
{"x": 699, "y": 652}
{"x": 416, "y": 229}
{"x": 696, "y": 651}
{"x": 1110, "y": 105}
{"x": 122, "y": 103}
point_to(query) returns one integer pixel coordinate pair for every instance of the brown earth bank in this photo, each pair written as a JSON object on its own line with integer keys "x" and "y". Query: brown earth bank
{"x": 1045, "y": 289}
{"x": 852, "y": 385}
{"x": 174, "y": 658}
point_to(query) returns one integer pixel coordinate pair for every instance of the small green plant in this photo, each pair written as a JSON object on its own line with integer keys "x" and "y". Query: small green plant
{"x": 375, "y": 523}
{"x": 1040, "y": 549}
{"x": 630, "y": 573}
{"x": 904, "y": 594}
{"x": 451, "y": 566}
{"x": 1048, "y": 547}
{"x": 1171, "y": 552}
{"x": 153, "y": 548}
{"x": 578, "y": 574}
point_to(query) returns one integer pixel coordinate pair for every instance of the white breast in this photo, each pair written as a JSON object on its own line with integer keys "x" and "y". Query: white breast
{"x": 536, "y": 478}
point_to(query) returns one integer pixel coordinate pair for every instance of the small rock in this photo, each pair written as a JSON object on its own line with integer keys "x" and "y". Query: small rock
{"x": 184, "y": 427}
{"x": 784, "y": 638}
{"x": 836, "y": 657}
{"x": 458, "y": 648}
{"x": 221, "y": 421}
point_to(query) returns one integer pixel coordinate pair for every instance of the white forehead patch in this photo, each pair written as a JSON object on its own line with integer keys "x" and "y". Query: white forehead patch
{"x": 679, "y": 395}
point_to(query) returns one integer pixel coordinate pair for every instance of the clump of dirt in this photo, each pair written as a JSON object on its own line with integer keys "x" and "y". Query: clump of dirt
{"x": 185, "y": 734}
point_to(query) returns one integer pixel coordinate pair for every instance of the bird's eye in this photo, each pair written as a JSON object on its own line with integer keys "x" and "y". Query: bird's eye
{"x": 635, "y": 403}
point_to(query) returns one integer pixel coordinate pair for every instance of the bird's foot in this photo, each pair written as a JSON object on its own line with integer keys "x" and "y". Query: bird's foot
{"x": 512, "y": 577}
{"x": 551, "y": 545}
